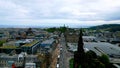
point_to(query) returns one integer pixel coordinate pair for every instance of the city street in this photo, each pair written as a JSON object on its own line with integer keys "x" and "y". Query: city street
{"x": 64, "y": 54}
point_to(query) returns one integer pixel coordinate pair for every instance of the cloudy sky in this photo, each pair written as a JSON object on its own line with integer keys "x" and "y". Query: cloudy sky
{"x": 73, "y": 13}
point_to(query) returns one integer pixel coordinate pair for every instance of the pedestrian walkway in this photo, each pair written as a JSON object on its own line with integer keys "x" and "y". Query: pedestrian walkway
{"x": 54, "y": 58}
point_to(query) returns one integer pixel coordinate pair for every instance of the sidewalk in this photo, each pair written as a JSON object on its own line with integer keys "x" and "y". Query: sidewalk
{"x": 54, "y": 58}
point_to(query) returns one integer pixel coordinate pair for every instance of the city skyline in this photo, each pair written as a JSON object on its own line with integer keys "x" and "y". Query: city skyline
{"x": 73, "y": 13}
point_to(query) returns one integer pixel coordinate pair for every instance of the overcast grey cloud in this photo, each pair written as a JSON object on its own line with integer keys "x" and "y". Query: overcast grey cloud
{"x": 59, "y": 12}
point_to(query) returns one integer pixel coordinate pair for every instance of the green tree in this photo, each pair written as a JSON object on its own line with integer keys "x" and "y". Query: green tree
{"x": 1, "y": 42}
{"x": 71, "y": 62}
{"x": 62, "y": 29}
{"x": 105, "y": 60}
{"x": 51, "y": 29}
{"x": 92, "y": 60}
{"x": 91, "y": 55}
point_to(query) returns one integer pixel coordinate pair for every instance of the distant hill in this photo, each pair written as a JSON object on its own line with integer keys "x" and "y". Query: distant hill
{"x": 108, "y": 27}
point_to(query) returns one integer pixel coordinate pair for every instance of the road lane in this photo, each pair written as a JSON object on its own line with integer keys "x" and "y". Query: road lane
{"x": 63, "y": 54}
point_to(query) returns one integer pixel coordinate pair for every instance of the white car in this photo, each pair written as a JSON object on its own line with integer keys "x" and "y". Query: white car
{"x": 57, "y": 66}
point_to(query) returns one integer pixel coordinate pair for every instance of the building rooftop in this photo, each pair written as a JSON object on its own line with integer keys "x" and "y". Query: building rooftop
{"x": 30, "y": 44}
{"x": 89, "y": 37}
{"x": 9, "y": 43}
{"x": 107, "y": 48}
{"x": 9, "y": 47}
{"x": 30, "y": 63}
{"x": 24, "y": 41}
{"x": 99, "y": 47}
{"x": 50, "y": 41}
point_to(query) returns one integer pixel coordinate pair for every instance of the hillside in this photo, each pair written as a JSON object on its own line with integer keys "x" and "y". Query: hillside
{"x": 108, "y": 27}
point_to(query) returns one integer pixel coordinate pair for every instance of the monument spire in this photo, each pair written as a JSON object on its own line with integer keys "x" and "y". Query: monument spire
{"x": 79, "y": 55}
{"x": 80, "y": 42}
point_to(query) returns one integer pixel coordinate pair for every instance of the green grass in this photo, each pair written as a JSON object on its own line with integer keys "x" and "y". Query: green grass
{"x": 30, "y": 44}
{"x": 9, "y": 47}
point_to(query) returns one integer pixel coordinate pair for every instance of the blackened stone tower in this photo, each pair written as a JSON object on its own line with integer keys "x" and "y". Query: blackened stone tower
{"x": 79, "y": 55}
